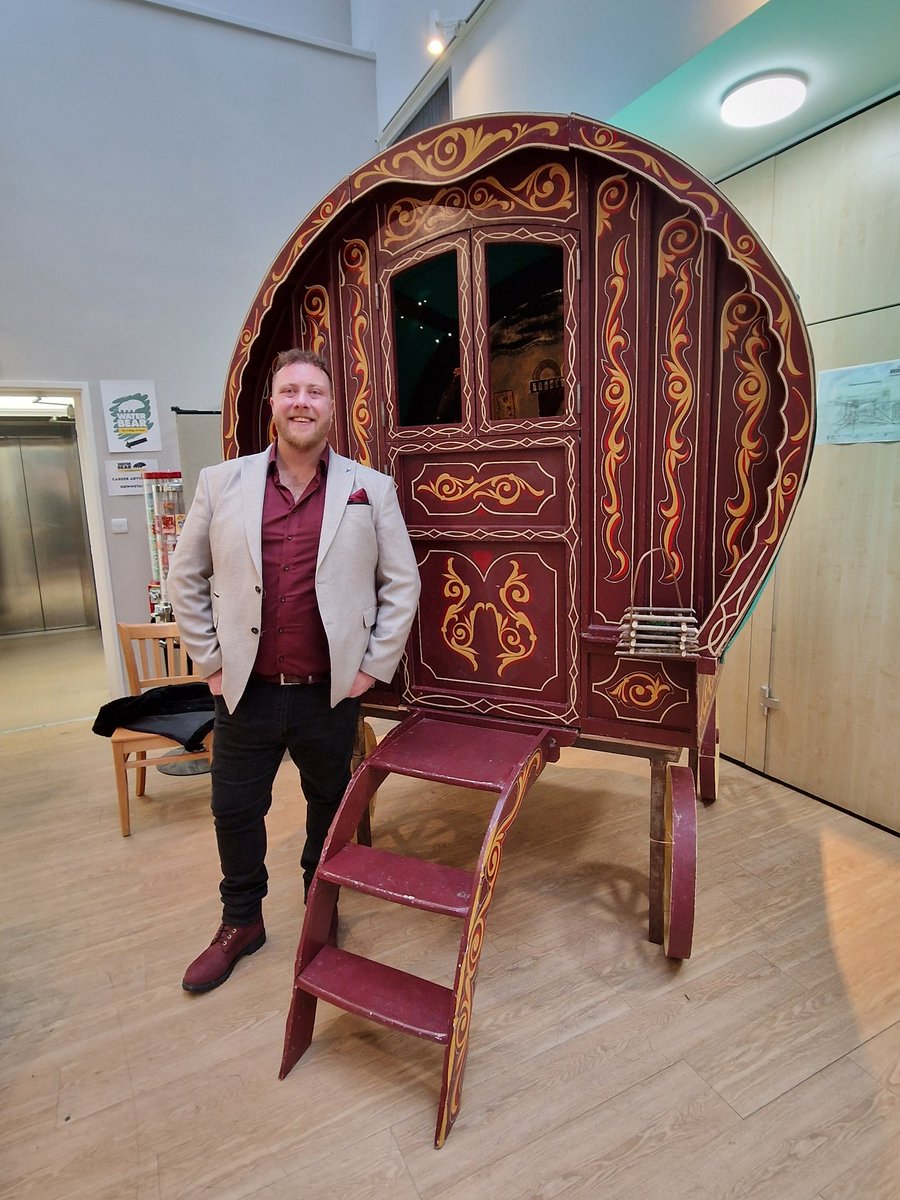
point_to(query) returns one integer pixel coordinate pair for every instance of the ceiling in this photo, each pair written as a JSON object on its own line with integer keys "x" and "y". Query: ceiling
{"x": 849, "y": 50}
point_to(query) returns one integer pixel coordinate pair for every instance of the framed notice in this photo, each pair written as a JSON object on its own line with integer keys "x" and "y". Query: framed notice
{"x": 859, "y": 404}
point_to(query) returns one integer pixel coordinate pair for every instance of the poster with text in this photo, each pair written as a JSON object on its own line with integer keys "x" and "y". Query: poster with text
{"x": 125, "y": 476}
{"x": 130, "y": 414}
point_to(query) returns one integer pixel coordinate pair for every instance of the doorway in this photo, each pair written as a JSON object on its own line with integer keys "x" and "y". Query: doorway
{"x": 46, "y": 577}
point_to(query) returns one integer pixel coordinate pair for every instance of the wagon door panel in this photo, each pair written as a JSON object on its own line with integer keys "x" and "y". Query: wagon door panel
{"x": 488, "y": 479}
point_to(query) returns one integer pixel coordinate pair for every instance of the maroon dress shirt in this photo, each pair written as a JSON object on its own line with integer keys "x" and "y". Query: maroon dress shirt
{"x": 292, "y": 637}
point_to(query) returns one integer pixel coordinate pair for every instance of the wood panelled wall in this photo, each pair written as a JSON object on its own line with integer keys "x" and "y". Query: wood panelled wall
{"x": 825, "y": 636}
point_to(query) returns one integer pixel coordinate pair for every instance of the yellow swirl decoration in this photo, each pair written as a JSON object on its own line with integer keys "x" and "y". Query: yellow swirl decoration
{"x": 783, "y": 323}
{"x": 451, "y": 152}
{"x": 515, "y": 633}
{"x": 465, "y": 985}
{"x": 316, "y": 318}
{"x": 612, "y": 197}
{"x": 310, "y": 226}
{"x": 613, "y": 142}
{"x": 743, "y": 319}
{"x": 616, "y": 396}
{"x": 677, "y": 241}
{"x": 355, "y": 261}
{"x": 640, "y": 690}
{"x": 546, "y": 191}
{"x": 505, "y": 489}
{"x": 785, "y": 486}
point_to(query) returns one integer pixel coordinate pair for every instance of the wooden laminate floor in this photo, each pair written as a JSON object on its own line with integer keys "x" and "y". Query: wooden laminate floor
{"x": 48, "y": 678}
{"x": 768, "y": 1066}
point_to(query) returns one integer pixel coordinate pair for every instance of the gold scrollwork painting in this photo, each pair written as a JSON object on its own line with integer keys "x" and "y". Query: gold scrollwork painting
{"x": 516, "y": 638}
{"x": 744, "y": 336}
{"x": 642, "y": 695}
{"x": 547, "y": 191}
{"x": 499, "y": 492}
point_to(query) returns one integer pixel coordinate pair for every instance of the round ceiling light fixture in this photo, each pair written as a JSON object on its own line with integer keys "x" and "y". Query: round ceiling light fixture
{"x": 763, "y": 99}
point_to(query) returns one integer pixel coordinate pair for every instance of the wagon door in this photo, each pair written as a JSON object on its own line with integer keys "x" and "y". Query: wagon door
{"x": 481, "y": 428}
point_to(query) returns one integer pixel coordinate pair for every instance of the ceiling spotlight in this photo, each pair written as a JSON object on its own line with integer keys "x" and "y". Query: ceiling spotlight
{"x": 764, "y": 99}
{"x": 440, "y": 33}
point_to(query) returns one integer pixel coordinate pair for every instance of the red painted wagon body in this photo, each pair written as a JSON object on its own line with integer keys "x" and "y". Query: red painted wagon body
{"x": 593, "y": 388}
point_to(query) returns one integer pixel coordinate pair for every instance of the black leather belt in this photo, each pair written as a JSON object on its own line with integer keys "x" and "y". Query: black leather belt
{"x": 293, "y": 680}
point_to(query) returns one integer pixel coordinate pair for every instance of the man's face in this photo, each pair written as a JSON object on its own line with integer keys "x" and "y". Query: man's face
{"x": 302, "y": 406}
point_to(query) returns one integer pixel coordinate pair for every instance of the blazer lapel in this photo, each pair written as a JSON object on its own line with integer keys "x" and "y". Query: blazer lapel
{"x": 338, "y": 486}
{"x": 253, "y": 490}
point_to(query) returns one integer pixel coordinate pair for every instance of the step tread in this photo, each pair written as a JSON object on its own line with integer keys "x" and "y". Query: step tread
{"x": 380, "y": 993}
{"x": 464, "y": 754}
{"x": 400, "y": 879}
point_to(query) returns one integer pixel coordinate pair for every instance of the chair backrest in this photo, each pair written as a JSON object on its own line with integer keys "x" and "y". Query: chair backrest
{"x": 154, "y": 656}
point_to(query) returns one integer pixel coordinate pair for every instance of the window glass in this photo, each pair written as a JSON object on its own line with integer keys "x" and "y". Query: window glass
{"x": 426, "y": 337}
{"x": 525, "y": 297}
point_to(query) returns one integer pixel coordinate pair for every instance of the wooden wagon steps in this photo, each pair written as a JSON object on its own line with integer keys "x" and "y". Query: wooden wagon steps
{"x": 490, "y": 755}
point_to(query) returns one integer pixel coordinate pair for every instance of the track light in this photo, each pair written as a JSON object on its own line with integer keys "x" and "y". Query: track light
{"x": 440, "y": 33}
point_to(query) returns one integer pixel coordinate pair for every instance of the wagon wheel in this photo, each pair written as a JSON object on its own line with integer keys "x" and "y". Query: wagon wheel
{"x": 680, "y": 869}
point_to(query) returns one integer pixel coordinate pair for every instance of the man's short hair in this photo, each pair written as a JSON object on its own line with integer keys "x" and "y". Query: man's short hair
{"x": 287, "y": 357}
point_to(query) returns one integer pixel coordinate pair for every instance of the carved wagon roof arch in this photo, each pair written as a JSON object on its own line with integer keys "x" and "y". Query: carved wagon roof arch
{"x": 751, "y": 357}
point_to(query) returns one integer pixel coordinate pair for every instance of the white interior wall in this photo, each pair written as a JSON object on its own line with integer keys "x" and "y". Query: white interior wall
{"x": 328, "y": 21}
{"x": 396, "y": 31}
{"x": 153, "y": 164}
{"x": 587, "y": 56}
{"x": 578, "y": 55}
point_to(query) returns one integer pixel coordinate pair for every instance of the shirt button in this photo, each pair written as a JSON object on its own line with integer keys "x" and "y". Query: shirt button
{"x": 254, "y": 630}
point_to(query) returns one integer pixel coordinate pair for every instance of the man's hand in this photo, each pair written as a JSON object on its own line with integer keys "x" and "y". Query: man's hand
{"x": 361, "y": 684}
{"x": 214, "y": 683}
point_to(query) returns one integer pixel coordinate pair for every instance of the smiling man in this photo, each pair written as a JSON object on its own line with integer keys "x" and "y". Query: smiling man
{"x": 294, "y": 585}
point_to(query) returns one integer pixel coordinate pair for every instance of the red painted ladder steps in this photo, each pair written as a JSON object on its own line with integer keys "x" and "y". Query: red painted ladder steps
{"x": 490, "y": 755}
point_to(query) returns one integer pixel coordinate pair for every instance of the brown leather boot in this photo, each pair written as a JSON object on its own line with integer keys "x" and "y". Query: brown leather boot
{"x": 217, "y": 962}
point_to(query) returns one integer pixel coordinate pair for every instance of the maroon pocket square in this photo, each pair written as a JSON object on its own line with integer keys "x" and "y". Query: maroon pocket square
{"x": 359, "y": 497}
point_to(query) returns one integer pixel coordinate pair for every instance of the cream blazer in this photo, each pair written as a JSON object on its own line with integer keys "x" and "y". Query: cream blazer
{"x": 367, "y": 581}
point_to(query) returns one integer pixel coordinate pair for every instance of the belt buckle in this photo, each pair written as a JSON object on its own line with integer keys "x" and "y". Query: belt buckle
{"x": 283, "y": 681}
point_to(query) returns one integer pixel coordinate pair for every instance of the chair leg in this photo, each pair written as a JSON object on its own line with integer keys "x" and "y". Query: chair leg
{"x": 140, "y": 785}
{"x": 122, "y": 793}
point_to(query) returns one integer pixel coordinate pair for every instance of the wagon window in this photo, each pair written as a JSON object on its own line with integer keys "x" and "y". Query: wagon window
{"x": 525, "y": 298}
{"x": 426, "y": 337}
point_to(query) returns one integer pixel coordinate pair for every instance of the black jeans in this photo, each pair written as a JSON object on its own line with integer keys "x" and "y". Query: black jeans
{"x": 248, "y": 747}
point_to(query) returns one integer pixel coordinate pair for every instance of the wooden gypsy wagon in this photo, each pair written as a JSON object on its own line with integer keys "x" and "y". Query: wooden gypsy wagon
{"x": 593, "y": 388}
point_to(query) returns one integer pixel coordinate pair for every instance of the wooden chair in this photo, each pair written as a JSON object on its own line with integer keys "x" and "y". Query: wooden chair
{"x": 154, "y": 657}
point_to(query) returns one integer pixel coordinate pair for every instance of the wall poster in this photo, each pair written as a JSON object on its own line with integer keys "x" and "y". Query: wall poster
{"x": 859, "y": 404}
{"x": 130, "y": 415}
